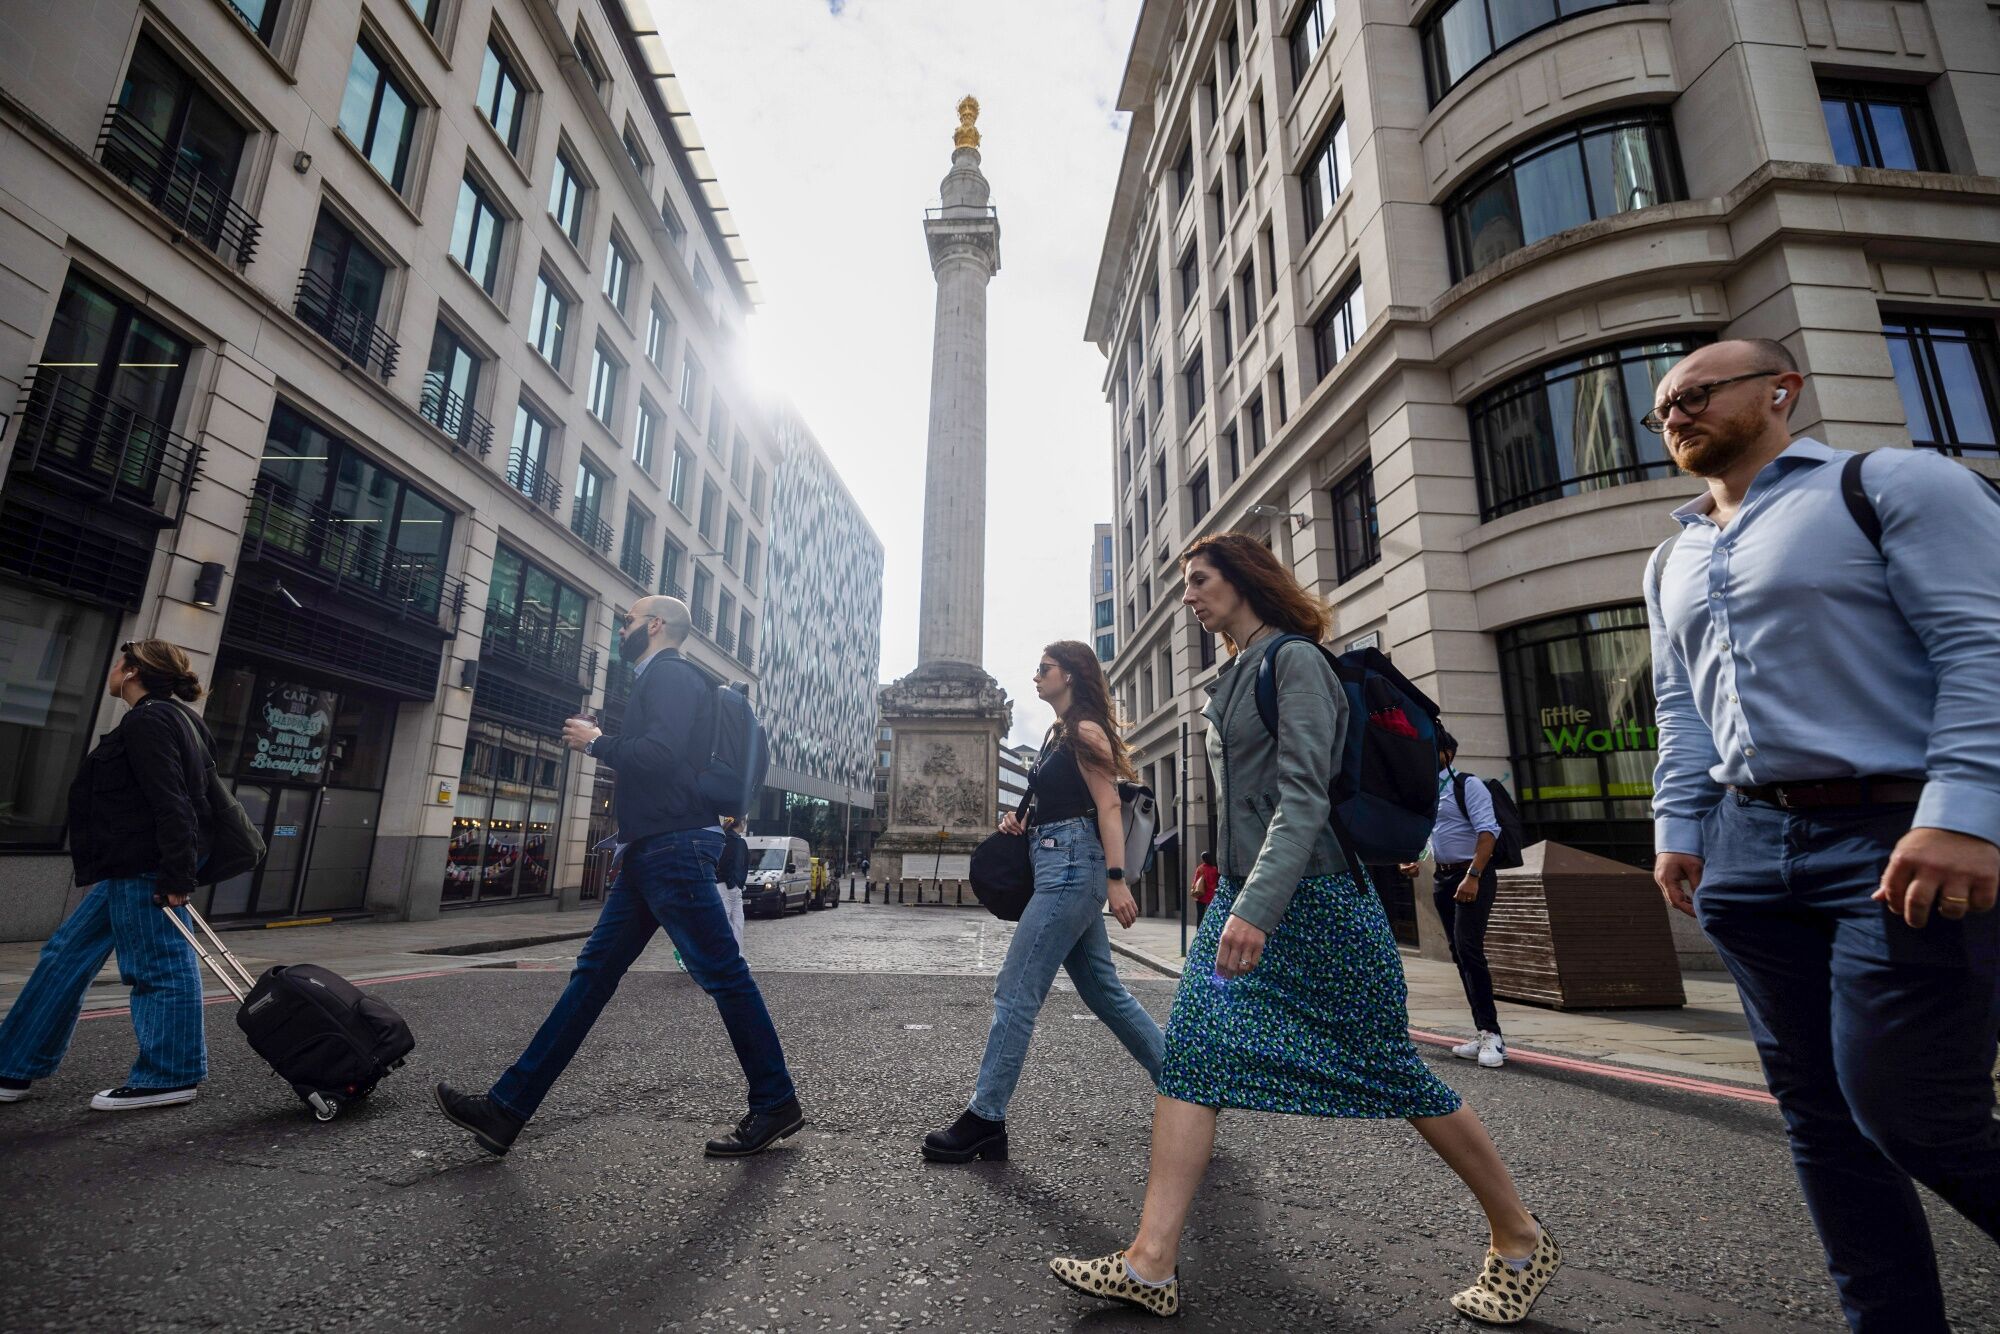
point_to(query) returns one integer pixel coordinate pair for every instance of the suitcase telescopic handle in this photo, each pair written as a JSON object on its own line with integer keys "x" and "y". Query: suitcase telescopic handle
{"x": 240, "y": 981}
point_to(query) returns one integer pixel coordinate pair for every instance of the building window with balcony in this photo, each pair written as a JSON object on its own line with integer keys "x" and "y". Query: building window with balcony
{"x": 659, "y": 330}
{"x": 1583, "y": 171}
{"x": 1948, "y": 374}
{"x": 1571, "y": 426}
{"x": 679, "y": 475}
{"x": 725, "y": 620}
{"x": 1194, "y": 386}
{"x": 566, "y": 194}
{"x": 1335, "y": 331}
{"x": 1464, "y": 34}
{"x": 320, "y": 503}
{"x": 173, "y": 143}
{"x": 753, "y": 559}
{"x": 670, "y": 218}
{"x": 636, "y": 151}
{"x": 644, "y": 435}
{"x": 1326, "y": 173}
{"x": 704, "y": 620}
{"x": 451, "y": 387}
{"x": 1357, "y": 540}
{"x": 711, "y": 501}
{"x": 673, "y": 556}
{"x": 1309, "y": 35}
{"x": 500, "y": 97}
{"x": 604, "y": 369}
{"x": 378, "y": 115}
{"x": 591, "y": 63}
{"x": 691, "y": 383}
{"x": 632, "y": 557}
{"x": 340, "y": 295}
{"x": 732, "y": 537}
{"x": 475, "y": 234}
{"x": 528, "y": 460}
{"x": 586, "y": 516}
{"x": 1885, "y": 125}
{"x": 259, "y": 16}
{"x": 549, "y": 327}
{"x": 1198, "y": 497}
{"x": 617, "y": 274}
{"x": 746, "y": 642}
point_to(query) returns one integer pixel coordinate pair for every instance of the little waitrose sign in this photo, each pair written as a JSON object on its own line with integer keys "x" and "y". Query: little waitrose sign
{"x": 1568, "y": 731}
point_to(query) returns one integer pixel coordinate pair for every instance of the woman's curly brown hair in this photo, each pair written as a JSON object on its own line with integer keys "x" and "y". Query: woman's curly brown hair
{"x": 1260, "y": 579}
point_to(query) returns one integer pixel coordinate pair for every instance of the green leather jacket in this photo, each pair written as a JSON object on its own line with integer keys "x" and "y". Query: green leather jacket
{"x": 1273, "y": 822}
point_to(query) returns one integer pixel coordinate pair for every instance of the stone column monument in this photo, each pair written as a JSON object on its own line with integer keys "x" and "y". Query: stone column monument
{"x": 948, "y": 715}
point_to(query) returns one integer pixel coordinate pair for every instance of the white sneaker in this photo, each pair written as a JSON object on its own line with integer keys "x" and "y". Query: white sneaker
{"x": 1492, "y": 1051}
{"x": 125, "y": 1099}
{"x": 1469, "y": 1049}
{"x": 13, "y": 1090}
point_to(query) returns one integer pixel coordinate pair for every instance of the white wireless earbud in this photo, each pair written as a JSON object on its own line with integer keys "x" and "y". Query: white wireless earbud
{"x": 1783, "y": 394}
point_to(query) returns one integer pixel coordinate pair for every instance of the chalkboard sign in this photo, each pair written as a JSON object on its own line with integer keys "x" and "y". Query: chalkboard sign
{"x": 289, "y": 731}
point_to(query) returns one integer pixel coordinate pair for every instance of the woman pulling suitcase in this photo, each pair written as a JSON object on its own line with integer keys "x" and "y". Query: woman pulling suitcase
{"x": 138, "y": 826}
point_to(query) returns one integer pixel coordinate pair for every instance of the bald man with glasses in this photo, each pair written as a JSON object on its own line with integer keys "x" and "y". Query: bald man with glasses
{"x": 1826, "y": 657}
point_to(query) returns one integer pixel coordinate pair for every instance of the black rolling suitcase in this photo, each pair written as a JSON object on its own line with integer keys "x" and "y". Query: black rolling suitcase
{"x": 320, "y": 1033}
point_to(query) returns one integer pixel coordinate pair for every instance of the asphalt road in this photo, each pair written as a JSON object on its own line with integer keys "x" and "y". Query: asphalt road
{"x": 241, "y": 1213}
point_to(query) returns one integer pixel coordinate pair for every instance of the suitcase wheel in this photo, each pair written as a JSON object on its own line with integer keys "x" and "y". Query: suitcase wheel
{"x": 323, "y": 1107}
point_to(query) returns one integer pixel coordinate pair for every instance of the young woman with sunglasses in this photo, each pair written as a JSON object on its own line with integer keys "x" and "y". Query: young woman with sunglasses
{"x": 1076, "y": 816}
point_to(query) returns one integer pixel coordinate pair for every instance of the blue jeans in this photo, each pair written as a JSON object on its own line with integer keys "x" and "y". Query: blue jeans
{"x": 666, "y": 881}
{"x": 1877, "y": 1040}
{"x": 1063, "y": 927}
{"x": 153, "y": 960}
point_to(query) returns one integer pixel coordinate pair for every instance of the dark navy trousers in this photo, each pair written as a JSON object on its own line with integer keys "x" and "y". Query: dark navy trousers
{"x": 1877, "y": 1040}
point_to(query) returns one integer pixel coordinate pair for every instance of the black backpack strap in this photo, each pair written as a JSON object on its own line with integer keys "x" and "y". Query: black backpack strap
{"x": 1458, "y": 790}
{"x": 1267, "y": 679}
{"x": 1858, "y": 503}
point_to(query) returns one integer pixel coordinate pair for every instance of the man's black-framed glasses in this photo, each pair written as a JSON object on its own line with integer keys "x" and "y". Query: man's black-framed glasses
{"x": 1693, "y": 400}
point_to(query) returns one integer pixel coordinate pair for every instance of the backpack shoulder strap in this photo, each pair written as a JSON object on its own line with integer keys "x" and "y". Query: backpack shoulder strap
{"x": 1657, "y": 567}
{"x": 1458, "y": 790}
{"x": 1858, "y": 503}
{"x": 1267, "y": 679}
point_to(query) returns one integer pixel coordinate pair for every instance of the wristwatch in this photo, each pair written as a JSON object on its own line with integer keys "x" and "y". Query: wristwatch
{"x": 590, "y": 746}
{"x": 1115, "y": 873}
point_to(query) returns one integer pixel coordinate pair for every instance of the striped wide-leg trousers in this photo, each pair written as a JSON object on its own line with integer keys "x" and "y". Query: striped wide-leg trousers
{"x": 153, "y": 959}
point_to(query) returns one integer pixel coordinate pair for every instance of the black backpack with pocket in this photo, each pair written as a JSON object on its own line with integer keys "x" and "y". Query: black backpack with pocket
{"x": 1513, "y": 830}
{"x": 739, "y": 754}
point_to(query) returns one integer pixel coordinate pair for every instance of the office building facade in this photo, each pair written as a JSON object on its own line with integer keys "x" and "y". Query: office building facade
{"x": 378, "y": 353}
{"x": 1392, "y": 286}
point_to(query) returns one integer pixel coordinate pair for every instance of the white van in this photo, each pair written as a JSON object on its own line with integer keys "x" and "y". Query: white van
{"x": 780, "y": 876}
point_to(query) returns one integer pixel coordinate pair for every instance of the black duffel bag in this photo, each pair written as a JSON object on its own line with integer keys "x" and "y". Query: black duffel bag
{"x": 1003, "y": 876}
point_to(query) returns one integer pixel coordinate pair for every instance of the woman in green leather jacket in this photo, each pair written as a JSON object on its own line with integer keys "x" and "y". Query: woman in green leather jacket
{"x": 1293, "y": 998}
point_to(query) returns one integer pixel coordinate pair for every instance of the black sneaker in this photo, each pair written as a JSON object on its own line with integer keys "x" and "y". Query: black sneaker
{"x": 126, "y": 1098}
{"x": 758, "y": 1131}
{"x": 492, "y": 1125}
{"x": 13, "y": 1090}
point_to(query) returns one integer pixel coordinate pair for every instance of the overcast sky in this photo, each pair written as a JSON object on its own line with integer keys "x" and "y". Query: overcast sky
{"x": 830, "y": 124}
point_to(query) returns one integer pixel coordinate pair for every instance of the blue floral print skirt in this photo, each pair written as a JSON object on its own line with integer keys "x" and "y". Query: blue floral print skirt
{"x": 1320, "y": 1027}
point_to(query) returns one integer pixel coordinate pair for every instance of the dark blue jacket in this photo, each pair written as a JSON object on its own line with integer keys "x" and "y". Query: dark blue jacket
{"x": 669, "y": 732}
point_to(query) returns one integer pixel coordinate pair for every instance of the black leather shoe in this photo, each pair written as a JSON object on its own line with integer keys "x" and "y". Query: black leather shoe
{"x": 758, "y": 1131}
{"x": 971, "y": 1136}
{"x": 493, "y": 1126}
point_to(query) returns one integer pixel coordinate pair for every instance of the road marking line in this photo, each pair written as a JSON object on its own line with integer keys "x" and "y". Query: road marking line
{"x": 226, "y": 999}
{"x": 1630, "y": 1076}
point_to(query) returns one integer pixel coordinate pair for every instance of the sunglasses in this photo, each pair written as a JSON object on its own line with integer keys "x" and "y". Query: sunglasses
{"x": 1043, "y": 669}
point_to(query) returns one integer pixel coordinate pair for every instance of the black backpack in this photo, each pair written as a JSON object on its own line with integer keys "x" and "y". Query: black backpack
{"x": 739, "y": 753}
{"x": 1513, "y": 833}
{"x": 1383, "y": 794}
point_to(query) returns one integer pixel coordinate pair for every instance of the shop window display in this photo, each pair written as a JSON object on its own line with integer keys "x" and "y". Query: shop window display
{"x": 506, "y": 817}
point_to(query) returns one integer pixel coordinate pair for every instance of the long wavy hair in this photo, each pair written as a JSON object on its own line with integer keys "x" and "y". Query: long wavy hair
{"x": 1089, "y": 702}
{"x": 1260, "y": 579}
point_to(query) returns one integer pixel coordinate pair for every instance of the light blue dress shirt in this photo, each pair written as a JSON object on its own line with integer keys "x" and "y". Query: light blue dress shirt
{"x": 1786, "y": 650}
{"x": 1454, "y": 838}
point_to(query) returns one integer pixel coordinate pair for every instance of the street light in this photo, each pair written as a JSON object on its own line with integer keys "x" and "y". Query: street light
{"x": 1273, "y": 512}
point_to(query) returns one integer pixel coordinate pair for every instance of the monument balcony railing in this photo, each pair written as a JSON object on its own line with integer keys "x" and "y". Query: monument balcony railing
{"x": 958, "y": 212}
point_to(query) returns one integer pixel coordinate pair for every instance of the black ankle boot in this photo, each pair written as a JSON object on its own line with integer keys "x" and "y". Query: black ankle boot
{"x": 971, "y": 1136}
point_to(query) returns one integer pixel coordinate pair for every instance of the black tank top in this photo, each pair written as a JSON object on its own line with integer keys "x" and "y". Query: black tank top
{"x": 1060, "y": 792}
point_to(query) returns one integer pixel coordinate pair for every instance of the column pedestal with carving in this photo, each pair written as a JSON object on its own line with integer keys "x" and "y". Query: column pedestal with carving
{"x": 948, "y": 719}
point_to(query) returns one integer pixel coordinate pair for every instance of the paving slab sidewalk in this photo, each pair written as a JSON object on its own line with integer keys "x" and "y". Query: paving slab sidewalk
{"x": 354, "y": 949}
{"x": 1707, "y": 1039}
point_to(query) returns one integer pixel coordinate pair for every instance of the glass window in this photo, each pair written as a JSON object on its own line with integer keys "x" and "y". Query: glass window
{"x": 112, "y": 379}
{"x": 691, "y": 382}
{"x": 703, "y": 287}
{"x": 528, "y": 460}
{"x": 176, "y": 145}
{"x": 475, "y": 234}
{"x": 642, "y": 437}
{"x": 550, "y": 321}
{"x": 732, "y": 537}
{"x": 1194, "y": 386}
{"x": 753, "y": 552}
{"x": 378, "y": 114}
{"x": 1325, "y": 176}
{"x": 1308, "y": 35}
{"x": 1948, "y": 374}
{"x": 1198, "y": 498}
{"x": 341, "y": 294}
{"x": 500, "y": 97}
{"x": 53, "y": 658}
{"x": 672, "y": 556}
{"x": 676, "y": 229}
{"x": 260, "y": 16}
{"x": 1336, "y": 331}
{"x": 603, "y": 384}
{"x": 617, "y": 274}
{"x": 427, "y": 12}
{"x": 1184, "y": 173}
{"x": 1255, "y": 421}
{"x": 1881, "y": 125}
{"x": 1357, "y": 542}
{"x": 566, "y": 197}
{"x": 586, "y": 56}
{"x": 1571, "y": 426}
{"x": 1578, "y": 691}
{"x": 451, "y": 384}
{"x": 1461, "y": 35}
{"x": 589, "y": 493}
{"x": 711, "y": 500}
{"x": 659, "y": 327}
{"x": 635, "y": 150}
{"x": 1583, "y": 171}
{"x": 757, "y": 490}
{"x": 679, "y": 475}
{"x": 507, "y": 815}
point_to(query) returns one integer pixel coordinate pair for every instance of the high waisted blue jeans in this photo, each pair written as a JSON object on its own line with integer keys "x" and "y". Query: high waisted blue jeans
{"x": 1062, "y": 928}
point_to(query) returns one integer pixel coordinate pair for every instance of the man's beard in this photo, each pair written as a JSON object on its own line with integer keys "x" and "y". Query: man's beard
{"x": 1716, "y": 446}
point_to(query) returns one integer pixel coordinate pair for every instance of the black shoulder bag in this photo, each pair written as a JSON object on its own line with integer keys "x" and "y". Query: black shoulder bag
{"x": 235, "y": 846}
{"x": 1003, "y": 876}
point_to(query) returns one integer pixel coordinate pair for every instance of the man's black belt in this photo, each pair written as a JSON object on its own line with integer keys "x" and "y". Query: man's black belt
{"x": 1836, "y": 792}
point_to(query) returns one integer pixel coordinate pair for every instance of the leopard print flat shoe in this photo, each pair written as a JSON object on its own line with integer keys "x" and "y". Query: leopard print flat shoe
{"x": 1504, "y": 1295}
{"x": 1106, "y": 1278}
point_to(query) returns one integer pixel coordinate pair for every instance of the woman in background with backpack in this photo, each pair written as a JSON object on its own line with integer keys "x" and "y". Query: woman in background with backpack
{"x": 1293, "y": 997}
{"x": 138, "y": 830}
{"x": 1076, "y": 817}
